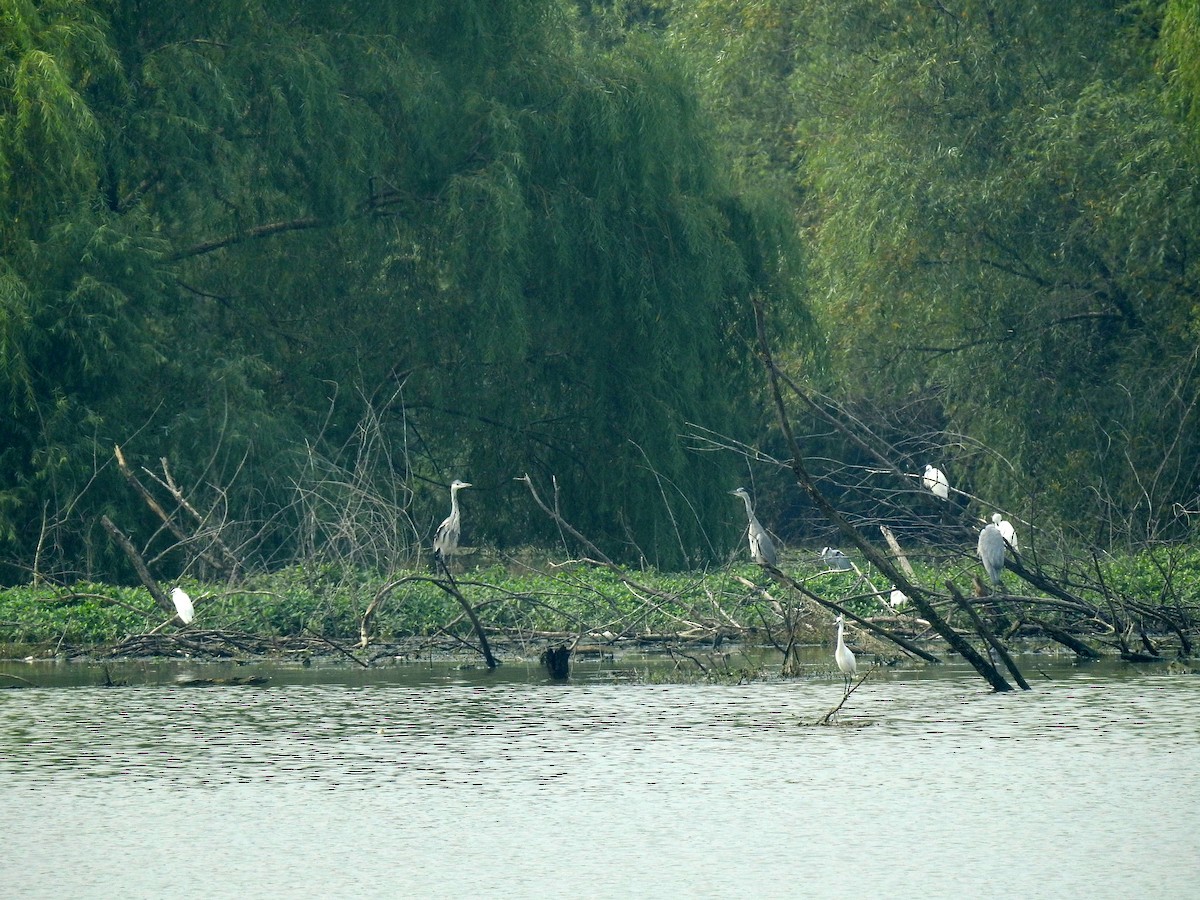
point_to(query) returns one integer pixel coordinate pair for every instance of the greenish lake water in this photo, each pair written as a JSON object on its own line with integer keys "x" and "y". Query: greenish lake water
{"x": 423, "y": 780}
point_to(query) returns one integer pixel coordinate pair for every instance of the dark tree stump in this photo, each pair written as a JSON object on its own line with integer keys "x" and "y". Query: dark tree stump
{"x": 557, "y": 661}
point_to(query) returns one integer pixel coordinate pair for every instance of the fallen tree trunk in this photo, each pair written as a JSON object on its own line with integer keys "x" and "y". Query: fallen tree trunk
{"x": 986, "y": 633}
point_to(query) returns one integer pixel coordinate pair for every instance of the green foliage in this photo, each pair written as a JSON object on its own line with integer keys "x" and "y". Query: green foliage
{"x": 87, "y": 614}
{"x": 1180, "y": 58}
{"x": 1000, "y": 216}
{"x": 238, "y": 234}
{"x": 1167, "y": 576}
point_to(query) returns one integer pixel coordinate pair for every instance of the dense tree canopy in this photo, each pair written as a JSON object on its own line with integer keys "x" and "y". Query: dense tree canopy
{"x": 241, "y": 235}
{"x": 326, "y": 257}
{"x": 1001, "y": 209}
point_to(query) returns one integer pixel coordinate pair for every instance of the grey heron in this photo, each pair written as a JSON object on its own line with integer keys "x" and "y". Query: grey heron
{"x": 835, "y": 559}
{"x": 445, "y": 539}
{"x": 844, "y": 658}
{"x": 935, "y": 480}
{"x": 1006, "y": 530}
{"x": 991, "y": 551}
{"x": 183, "y": 605}
{"x": 762, "y": 550}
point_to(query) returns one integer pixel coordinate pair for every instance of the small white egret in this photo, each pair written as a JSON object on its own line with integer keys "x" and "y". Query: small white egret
{"x": 183, "y": 605}
{"x": 445, "y": 539}
{"x": 897, "y": 598}
{"x": 935, "y": 480}
{"x": 1006, "y": 530}
{"x": 835, "y": 559}
{"x": 845, "y": 660}
{"x": 762, "y": 550}
{"x": 991, "y": 552}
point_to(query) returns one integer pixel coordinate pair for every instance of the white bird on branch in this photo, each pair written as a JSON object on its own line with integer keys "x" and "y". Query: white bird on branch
{"x": 183, "y": 605}
{"x": 1006, "y": 530}
{"x": 935, "y": 480}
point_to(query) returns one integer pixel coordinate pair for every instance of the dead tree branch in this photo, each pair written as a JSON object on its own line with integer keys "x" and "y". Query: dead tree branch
{"x": 139, "y": 566}
{"x": 916, "y": 594}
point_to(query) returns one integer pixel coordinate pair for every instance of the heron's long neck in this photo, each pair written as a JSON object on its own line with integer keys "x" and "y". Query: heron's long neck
{"x": 453, "y": 501}
{"x": 840, "y": 641}
{"x": 749, "y": 509}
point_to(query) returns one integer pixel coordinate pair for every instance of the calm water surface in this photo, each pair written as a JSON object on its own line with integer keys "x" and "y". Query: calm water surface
{"x": 426, "y": 782}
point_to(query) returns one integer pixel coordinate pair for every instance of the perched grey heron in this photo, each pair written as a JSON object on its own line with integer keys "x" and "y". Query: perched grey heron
{"x": 183, "y": 605}
{"x": 445, "y": 539}
{"x": 991, "y": 552}
{"x": 835, "y": 559}
{"x": 1006, "y": 530}
{"x": 844, "y": 658}
{"x": 762, "y": 550}
{"x": 935, "y": 480}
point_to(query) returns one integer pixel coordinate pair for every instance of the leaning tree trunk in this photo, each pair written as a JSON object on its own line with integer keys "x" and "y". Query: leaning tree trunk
{"x": 915, "y": 593}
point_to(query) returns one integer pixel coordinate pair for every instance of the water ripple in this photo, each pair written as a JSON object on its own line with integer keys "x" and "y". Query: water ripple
{"x": 444, "y": 789}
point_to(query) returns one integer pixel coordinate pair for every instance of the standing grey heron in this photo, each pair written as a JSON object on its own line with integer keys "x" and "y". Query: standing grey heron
{"x": 762, "y": 550}
{"x": 183, "y": 605}
{"x": 991, "y": 552}
{"x": 935, "y": 480}
{"x": 1006, "y": 530}
{"x": 445, "y": 539}
{"x": 844, "y": 658}
{"x": 835, "y": 559}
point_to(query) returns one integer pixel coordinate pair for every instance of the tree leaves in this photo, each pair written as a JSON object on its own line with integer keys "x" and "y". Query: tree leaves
{"x": 244, "y": 230}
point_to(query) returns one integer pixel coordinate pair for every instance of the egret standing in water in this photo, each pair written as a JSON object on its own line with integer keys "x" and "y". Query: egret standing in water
{"x": 762, "y": 550}
{"x": 1006, "y": 530}
{"x": 845, "y": 660}
{"x": 183, "y": 605}
{"x": 445, "y": 539}
{"x": 935, "y": 480}
{"x": 991, "y": 552}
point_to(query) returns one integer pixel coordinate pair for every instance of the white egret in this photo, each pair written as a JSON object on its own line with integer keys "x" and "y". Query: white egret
{"x": 897, "y": 598}
{"x": 845, "y": 660}
{"x": 991, "y": 552}
{"x": 183, "y": 605}
{"x": 1006, "y": 530}
{"x": 762, "y": 550}
{"x": 445, "y": 539}
{"x": 935, "y": 480}
{"x": 835, "y": 559}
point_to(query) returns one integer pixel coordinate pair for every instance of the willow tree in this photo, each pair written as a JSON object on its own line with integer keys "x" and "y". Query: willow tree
{"x": 1000, "y": 213}
{"x": 256, "y": 224}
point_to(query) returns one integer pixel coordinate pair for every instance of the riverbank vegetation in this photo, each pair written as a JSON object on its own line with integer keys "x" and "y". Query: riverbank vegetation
{"x": 1148, "y": 610}
{"x": 272, "y": 276}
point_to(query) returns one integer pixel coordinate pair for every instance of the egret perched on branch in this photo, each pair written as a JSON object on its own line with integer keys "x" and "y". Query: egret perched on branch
{"x": 762, "y": 550}
{"x": 1006, "y": 530}
{"x": 445, "y": 539}
{"x": 935, "y": 480}
{"x": 846, "y": 663}
{"x": 835, "y": 559}
{"x": 183, "y": 605}
{"x": 991, "y": 552}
